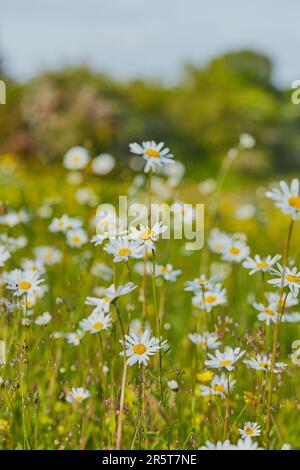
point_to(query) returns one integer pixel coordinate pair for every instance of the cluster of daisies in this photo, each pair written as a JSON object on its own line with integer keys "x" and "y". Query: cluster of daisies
{"x": 71, "y": 227}
{"x": 135, "y": 248}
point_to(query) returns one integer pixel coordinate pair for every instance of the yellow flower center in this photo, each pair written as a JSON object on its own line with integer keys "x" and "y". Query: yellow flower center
{"x": 262, "y": 264}
{"x": 24, "y": 285}
{"x": 269, "y": 312}
{"x": 153, "y": 153}
{"x": 219, "y": 388}
{"x": 234, "y": 250}
{"x": 106, "y": 299}
{"x": 202, "y": 281}
{"x": 98, "y": 325}
{"x": 164, "y": 269}
{"x": 76, "y": 158}
{"x": 263, "y": 364}
{"x": 76, "y": 239}
{"x": 146, "y": 234}
{"x": 79, "y": 398}
{"x": 48, "y": 256}
{"x": 210, "y": 299}
{"x": 124, "y": 251}
{"x": 292, "y": 278}
{"x": 139, "y": 349}
{"x": 294, "y": 202}
{"x": 225, "y": 363}
{"x": 249, "y": 431}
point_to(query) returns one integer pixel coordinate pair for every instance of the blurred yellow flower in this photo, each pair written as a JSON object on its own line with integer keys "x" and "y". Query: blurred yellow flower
{"x": 205, "y": 376}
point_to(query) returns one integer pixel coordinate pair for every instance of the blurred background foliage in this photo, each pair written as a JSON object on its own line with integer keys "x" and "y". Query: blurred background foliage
{"x": 200, "y": 117}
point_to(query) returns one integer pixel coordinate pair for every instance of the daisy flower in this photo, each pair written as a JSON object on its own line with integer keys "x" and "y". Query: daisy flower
{"x": 267, "y": 313}
{"x": 225, "y": 359}
{"x": 218, "y": 446}
{"x": 110, "y": 294}
{"x": 23, "y": 282}
{"x": 202, "y": 283}
{"x": 76, "y": 158}
{"x": 107, "y": 227}
{"x": 43, "y": 319}
{"x": 289, "y": 301}
{"x": 74, "y": 338}
{"x": 123, "y": 249}
{"x": 101, "y": 304}
{"x": 138, "y": 327}
{"x": 141, "y": 267}
{"x": 235, "y": 251}
{"x": 292, "y": 317}
{"x": 76, "y": 238}
{"x": 77, "y": 395}
{"x": 167, "y": 272}
{"x": 287, "y": 278}
{"x": 206, "y": 340}
{"x": 13, "y": 244}
{"x": 246, "y": 444}
{"x": 138, "y": 349}
{"x": 185, "y": 212}
{"x": 110, "y": 234}
{"x": 33, "y": 265}
{"x": 147, "y": 235}
{"x": 12, "y": 218}
{"x": 286, "y": 198}
{"x": 210, "y": 299}
{"x": 47, "y": 255}
{"x": 103, "y": 164}
{"x": 250, "y": 429}
{"x": 96, "y": 322}
{"x": 247, "y": 141}
{"x": 156, "y": 155}
{"x": 4, "y": 255}
{"x": 263, "y": 362}
{"x": 64, "y": 223}
{"x": 257, "y": 264}
{"x": 218, "y": 386}
{"x": 218, "y": 241}
{"x": 173, "y": 385}
{"x": 121, "y": 290}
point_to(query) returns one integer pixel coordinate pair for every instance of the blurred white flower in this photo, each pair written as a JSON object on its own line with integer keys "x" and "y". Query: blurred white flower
{"x": 76, "y": 158}
{"x": 86, "y": 196}
{"x": 4, "y": 255}
{"x": 47, "y": 255}
{"x": 247, "y": 141}
{"x": 77, "y": 238}
{"x": 103, "y": 164}
{"x": 245, "y": 212}
{"x": 43, "y": 319}
{"x": 207, "y": 187}
{"x": 173, "y": 385}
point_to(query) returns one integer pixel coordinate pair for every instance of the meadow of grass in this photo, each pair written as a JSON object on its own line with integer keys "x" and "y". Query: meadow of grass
{"x": 160, "y": 405}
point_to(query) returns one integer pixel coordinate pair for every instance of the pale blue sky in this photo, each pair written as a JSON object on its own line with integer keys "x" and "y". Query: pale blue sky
{"x": 138, "y": 38}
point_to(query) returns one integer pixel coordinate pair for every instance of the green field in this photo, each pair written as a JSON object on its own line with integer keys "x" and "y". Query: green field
{"x": 40, "y": 367}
